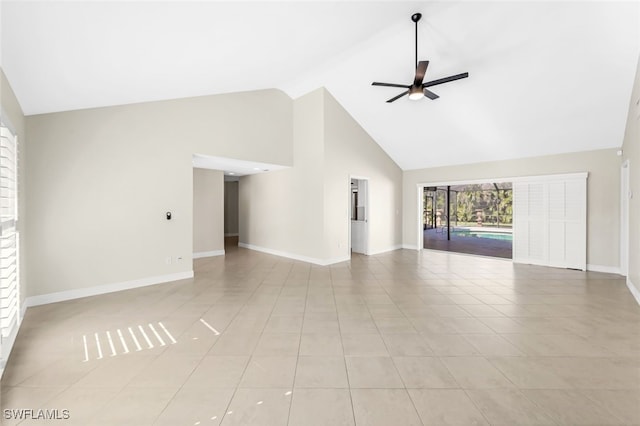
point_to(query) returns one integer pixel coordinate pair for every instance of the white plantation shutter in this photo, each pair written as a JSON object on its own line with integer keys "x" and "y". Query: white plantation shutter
{"x": 9, "y": 242}
{"x": 550, "y": 221}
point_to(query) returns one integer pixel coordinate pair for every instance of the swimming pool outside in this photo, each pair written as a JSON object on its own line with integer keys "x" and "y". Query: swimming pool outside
{"x": 502, "y": 234}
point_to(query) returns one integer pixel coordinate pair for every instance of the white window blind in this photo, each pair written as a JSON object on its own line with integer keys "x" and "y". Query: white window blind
{"x": 9, "y": 242}
{"x": 550, "y": 221}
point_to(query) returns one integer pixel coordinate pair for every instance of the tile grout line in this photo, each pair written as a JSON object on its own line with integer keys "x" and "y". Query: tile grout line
{"x": 226, "y": 411}
{"x": 393, "y": 362}
{"x": 344, "y": 356}
{"x": 438, "y": 358}
{"x": 205, "y": 355}
{"x": 295, "y": 370}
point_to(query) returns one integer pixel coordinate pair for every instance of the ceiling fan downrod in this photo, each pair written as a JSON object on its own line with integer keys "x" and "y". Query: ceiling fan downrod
{"x": 415, "y": 18}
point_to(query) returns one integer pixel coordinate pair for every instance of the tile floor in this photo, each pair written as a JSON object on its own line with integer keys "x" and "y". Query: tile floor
{"x": 402, "y": 338}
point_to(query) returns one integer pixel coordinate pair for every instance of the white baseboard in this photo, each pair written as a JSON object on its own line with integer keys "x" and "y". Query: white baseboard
{"x": 634, "y": 290}
{"x": 410, "y": 247}
{"x": 605, "y": 269}
{"x": 61, "y": 296}
{"x": 386, "y": 250}
{"x": 334, "y": 260}
{"x": 23, "y": 309}
{"x": 231, "y": 235}
{"x": 202, "y": 254}
{"x": 315, "y": 261}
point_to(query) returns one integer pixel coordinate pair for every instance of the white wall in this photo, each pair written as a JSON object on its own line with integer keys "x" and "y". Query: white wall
{"x": 102, "y": 179}
{"x": 208, "y": 212}
{"x": 303, "y": 212}
{"x": 350, "y": 151}
{"x": 603, "y": 201}
{"x": 631, "y": 152}
{"x": 231, "y": 208}
{"x": 282, "y": 211}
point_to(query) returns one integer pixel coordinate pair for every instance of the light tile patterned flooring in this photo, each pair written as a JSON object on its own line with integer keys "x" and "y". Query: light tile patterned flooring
{"x": 402, "y": 338}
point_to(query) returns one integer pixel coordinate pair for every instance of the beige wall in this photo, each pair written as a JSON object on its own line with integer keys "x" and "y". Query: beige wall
{"x": 12, "y": 112}
{"x": 603, "y": 200}
{"x": 208, "y": 211}
{"x": 231, "y": 208}
{"x": 282, "y": 211}
{"x": 303, "y": 211}
{"x": 102, "y": 179}
{"x": 631, "y": 152}
{"x": 350, "y": 151}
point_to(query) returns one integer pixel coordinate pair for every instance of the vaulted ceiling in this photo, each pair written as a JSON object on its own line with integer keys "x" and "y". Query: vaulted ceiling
{"x": 545, "y": 77}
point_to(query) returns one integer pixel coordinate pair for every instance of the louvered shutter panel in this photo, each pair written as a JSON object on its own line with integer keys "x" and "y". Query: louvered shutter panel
{"x": 549, "y": 221}
{"x": 9, "y": 242}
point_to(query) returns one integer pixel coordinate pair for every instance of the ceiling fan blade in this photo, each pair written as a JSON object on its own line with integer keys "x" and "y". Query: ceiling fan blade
{"x": 429, "y": 94}
{"x": 446, "y": 79}
{"x": 420, "y": 71}
{"x": 395, "y": 98}
{"x": 404, "y": 86}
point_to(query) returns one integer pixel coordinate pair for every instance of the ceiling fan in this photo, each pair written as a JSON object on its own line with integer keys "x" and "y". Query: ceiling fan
{"x": 418, "y": 89}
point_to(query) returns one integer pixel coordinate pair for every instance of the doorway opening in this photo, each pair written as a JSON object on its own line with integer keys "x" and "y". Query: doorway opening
{"x": 231, "y": 212}
{"x": 474, "y": 218}
{"x": 359, "y": 215}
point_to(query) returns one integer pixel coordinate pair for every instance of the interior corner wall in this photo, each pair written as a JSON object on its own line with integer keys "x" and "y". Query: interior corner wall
{"x": 350, "y": 151}
{"x": 281, "y": 211}
{"x": 231, "y": 208}
{"x": 101, "y": 181}
{"x": 12, "y": 112}
{"x": 603, "y": 194}
{"x": 208, "y": 212}
{"x": 631, "y": 152}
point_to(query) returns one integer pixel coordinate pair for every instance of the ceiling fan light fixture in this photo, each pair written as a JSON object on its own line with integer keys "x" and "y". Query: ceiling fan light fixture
{"x": 415, "y": 94}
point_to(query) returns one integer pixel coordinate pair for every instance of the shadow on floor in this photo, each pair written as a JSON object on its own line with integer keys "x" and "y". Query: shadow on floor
{"x": 437, "y": 240}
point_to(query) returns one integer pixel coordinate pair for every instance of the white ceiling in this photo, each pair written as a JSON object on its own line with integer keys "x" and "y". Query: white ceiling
{"x": 545, "y": 77}
{"x": 232, "y": 166}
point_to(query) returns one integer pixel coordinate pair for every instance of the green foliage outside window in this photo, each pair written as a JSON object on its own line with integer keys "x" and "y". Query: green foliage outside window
{"x": 471, "y": 205}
